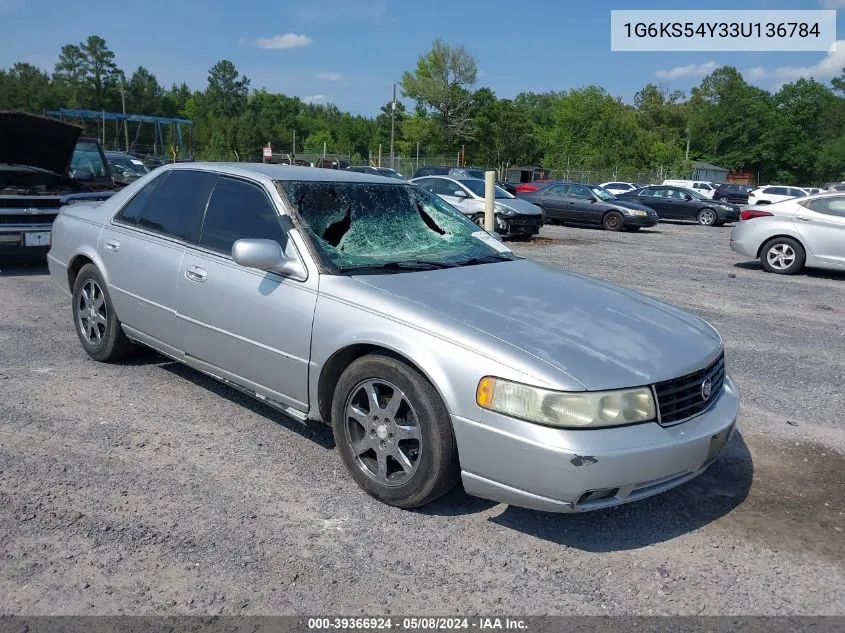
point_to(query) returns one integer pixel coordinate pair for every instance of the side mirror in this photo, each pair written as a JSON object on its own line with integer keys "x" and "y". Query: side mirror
{"x": 687, "y": 197}
{"x": 267, "y": 255}
{"x": 82, "y": 175}
{"x": 459, "y": 193}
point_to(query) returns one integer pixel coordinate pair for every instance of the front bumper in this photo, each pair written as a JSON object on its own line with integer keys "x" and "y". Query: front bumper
{"x": 514, "y": 225}
{"x": 30, "y": 239}
{"x": 558, "y": 470}
{"x": 642, "y": 221}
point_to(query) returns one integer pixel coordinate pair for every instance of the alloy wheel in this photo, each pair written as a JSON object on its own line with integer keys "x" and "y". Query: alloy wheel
{"x": 383, "y": 431}
{"x": 781, "y": 256}
{"x": 92, "y": 313}
{"x": 707, "y": 217}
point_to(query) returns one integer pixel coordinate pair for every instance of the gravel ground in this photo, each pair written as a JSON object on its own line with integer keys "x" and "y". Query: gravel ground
{"x": 145, "y": 487}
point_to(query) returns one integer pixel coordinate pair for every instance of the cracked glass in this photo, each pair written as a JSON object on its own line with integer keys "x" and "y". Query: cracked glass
{"x": 358, "y": 225}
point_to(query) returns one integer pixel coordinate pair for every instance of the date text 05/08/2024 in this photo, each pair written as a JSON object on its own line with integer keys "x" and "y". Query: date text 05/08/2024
{"x": 416, "y": 624}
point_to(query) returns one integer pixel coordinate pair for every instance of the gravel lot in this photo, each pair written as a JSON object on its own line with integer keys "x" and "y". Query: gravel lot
{"x": 145, "y": 487}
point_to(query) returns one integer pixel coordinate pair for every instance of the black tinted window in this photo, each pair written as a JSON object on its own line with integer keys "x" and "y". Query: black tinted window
{"x": 176, "y": 206}
{"x": 239, "y": 210}
{"x": 130, "y": 213}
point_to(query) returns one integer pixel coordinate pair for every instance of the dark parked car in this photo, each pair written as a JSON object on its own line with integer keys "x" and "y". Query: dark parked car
{"x": 677, "y": 203}
{"x": 736, "y": 194}
{"x": 331, "y": 163}
{"x": 376, "y": 171}
{"x": 36, "y": 179}
{"x": 125, "y": 168}
{"x": 589, "y": 205}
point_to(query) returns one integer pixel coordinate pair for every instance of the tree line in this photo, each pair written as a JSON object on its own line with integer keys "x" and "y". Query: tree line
{"x": 795, "y": 135}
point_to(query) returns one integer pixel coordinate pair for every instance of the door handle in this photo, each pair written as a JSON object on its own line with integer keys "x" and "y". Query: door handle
{"x": 195, "y": 273}
{"x": 112, "y": 246}
{"x": 802, "y": 218}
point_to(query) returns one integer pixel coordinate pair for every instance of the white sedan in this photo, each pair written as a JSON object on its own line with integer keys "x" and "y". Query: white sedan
{"x": 617, "y": 187}
{"x": 774, "y": 193}
{"x": 789, "y": 235}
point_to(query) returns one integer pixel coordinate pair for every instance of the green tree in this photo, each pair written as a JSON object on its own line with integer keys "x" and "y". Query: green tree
{"x": 143, "y": 92}
{"x": 226, "y": 94}
{"x": 69, "y": 75}
{"x": 441, "y": 83}
{"x": 26, "y": 87}
{"x": 100, "y": 72}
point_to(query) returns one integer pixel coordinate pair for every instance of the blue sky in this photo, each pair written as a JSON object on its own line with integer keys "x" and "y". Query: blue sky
{"x": 350, "y": 51}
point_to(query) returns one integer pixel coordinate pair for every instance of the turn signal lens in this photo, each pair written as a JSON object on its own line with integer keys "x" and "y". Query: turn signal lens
{"x": 485, "y": 391}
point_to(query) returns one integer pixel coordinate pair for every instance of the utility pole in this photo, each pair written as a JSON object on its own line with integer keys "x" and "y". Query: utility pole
{"x": 392, "y": 123}
{"x": 123, "y": 104}
{"x": 686, "y": 157}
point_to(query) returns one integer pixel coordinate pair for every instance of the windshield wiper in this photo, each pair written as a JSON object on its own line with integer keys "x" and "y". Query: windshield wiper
{"x": 411, "y": 264}
{"x": 486, "y": 259}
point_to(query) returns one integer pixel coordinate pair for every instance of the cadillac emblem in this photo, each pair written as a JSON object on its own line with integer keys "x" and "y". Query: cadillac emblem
{"x": 706, "y": 389}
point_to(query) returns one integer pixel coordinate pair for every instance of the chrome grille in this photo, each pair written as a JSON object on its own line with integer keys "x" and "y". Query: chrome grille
{"x": 681, "y": 398}
{"x": 38, "y": 218}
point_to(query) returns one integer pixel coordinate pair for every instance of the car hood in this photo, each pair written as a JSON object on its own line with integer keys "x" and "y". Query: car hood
{"x": 37, "y": 141}
{"x": 520, "y": 206}
{"x": 600, "y": 334}
{"x": 630, "y": 204}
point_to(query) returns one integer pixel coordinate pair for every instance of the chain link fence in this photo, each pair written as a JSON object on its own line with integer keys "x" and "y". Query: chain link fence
{"x": 403, "y": 163}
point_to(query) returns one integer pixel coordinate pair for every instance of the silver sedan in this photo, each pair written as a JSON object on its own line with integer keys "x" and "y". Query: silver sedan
{"x": 788, "y": 235}
{"x": 436, "y": 354}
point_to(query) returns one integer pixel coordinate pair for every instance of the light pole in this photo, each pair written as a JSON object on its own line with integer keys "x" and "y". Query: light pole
{"x": 392, "y": 124}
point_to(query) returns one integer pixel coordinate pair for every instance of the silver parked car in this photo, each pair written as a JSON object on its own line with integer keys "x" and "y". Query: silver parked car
{"x": 514, "y": 217}
{"x": 786, "y": 236}
{"x": 433, "y": 351}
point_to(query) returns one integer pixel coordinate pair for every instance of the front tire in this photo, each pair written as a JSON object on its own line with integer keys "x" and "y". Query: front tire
{"x": 707, "y": 217}
{"x": 782, "y": 255}
{"x": 394, "y": 433}
{"x": 95, "y": 320}
{"x": 612, "y": 221}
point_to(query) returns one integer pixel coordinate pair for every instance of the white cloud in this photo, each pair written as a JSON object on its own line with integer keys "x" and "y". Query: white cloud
{"x": 832, "y": 4}
{"x": 327, "y": 76}
{"x": 282, "y": 42}
{"x": 755, "y": 73}
{"x": 829, "y": 66}
{"x": 693, "y": 70}
{"x": 314, "y": 99}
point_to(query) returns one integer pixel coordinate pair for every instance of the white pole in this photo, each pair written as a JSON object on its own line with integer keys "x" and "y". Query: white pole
{"x": 489, "y": 200}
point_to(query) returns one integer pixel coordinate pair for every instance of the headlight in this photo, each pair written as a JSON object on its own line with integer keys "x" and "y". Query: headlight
{"x": 726, "y": 207}
{"x": 574, "y": 410}
{"x": 500, "y": 208}
{"x": 636, "y": 212}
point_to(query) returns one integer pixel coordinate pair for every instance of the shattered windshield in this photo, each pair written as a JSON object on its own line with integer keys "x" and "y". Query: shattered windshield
{"x": 363, "y": 225}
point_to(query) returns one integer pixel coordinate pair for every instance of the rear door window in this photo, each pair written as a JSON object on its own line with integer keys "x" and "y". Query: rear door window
{"x": 175, "y": 208}
{"x": 579, "y": 191}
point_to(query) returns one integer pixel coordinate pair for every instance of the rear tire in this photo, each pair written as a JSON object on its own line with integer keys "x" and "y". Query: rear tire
{"x": 95, "y": 320}
{"x": 402, "y": 452}
{"x": 612, "y": 221}
{"x": 783, "y": 256}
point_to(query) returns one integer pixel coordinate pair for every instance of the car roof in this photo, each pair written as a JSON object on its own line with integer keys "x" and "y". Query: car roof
{"x": 285, "y": 172}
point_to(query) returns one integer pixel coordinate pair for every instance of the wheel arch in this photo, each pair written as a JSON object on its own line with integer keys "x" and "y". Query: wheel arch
{"x": 338, "y": 362}
{"x": 77, "y": 261}
{"x": 790, "y": 236}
